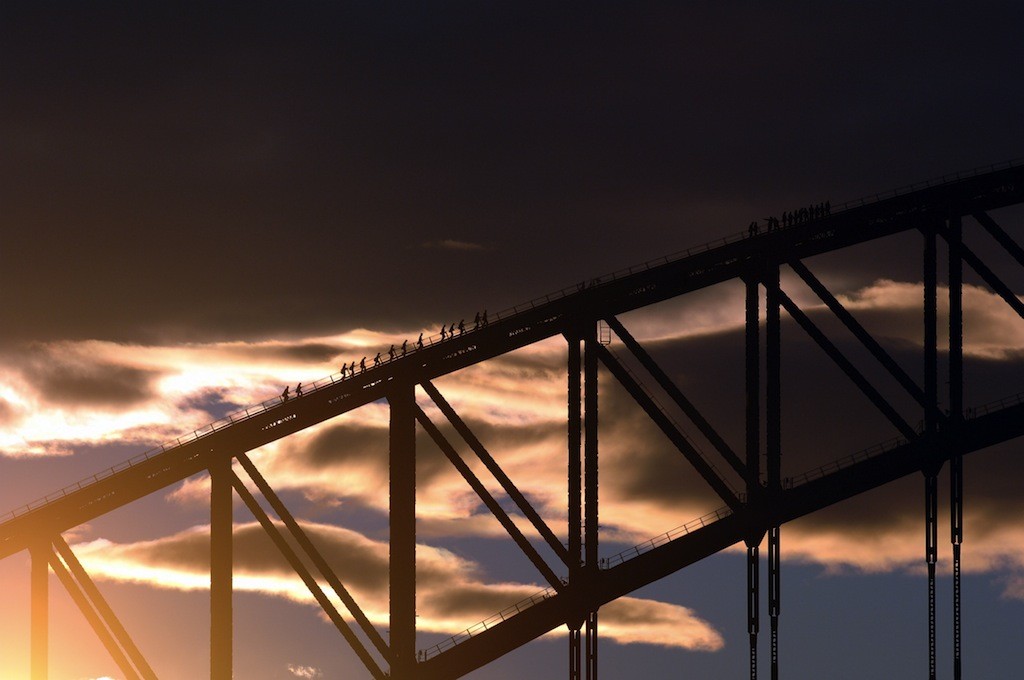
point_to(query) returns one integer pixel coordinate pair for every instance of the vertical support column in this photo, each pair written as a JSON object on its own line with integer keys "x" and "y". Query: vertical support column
{"x": 956, "y": 409}
{"x": 402, "y": 557}
{"x": 753, "y": 604}
{"x": 590, "y": 482}
{"x": 575, "y": 673}
{"x": 221, "y": 558}
{"x": 575, "y": 490}
{"x": 774, "y": 586}
{"x": 931, "y": 428}
{"x": 753, "y": 451}
{"x": 40, "y": 591}
{"x": 592, "y": 646}
{"x": 773, "y": 448}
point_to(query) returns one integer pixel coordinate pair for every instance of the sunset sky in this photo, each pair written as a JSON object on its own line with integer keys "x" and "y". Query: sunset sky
{"x": 200, "y": 205}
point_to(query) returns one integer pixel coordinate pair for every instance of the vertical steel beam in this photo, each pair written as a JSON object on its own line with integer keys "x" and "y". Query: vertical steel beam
{"x": 590, "y": 467}
{"x": 753, "y": 452}
{"x": 575, "y": 457}
{"x": 931, "y": 430}
{"x": 753, "y": 604}
{"x": 575, "y": 672}
{"x": 40, "y": 587}
{"x": 221, "y": 559}
{"x": 591, "y": 516}
{"x": 773, "y": 447}
{"x": 753, "y": 392}
{"x": 592, "y": 646}
{"x": 956, "y": 408}
{"x": 575, "y": 489}
{"x": 402, "y": 560}
{"x": 774, "y": 594}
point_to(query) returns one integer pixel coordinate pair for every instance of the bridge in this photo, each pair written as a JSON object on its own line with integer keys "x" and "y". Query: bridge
{"x": 926, "y": 442}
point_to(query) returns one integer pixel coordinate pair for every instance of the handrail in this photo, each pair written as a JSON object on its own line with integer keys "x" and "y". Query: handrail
{"x": 264, "y": 406}
{"x": 888, "y": 445}
{"x": 703, "y": 521}
{"x": 492, "y": 620}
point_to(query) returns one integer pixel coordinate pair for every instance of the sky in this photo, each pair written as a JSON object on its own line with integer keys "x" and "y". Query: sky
{"x": 201, "y": 204}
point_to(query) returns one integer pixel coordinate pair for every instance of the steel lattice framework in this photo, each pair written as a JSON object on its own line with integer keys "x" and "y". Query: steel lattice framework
{"x": 580, "y": 315}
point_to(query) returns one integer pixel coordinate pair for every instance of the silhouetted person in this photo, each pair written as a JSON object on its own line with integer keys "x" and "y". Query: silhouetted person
{"x": 362, "y": 364}
{"x": 476, "y": 321}
{"x": 444, "y": 332}
{"x": 484, "y": 317}
{"x": 298, "y": 390}
{"x": 462, "y": 326}
{"x": 284, "y": 395}
{"x": 451, "y": 331}
{"x": 752, "y": 229}
{"x": 419, "y": 343}
{"x": 405, "y": 349}
{"x": 352, "y": 371}
{"x": 376, "y": 360}
{"x": 344, "y": 370}
{"x": 391, "y": 352}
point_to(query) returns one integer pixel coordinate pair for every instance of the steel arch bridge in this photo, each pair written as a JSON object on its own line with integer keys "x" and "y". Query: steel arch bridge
{"x": 580, "y": 583}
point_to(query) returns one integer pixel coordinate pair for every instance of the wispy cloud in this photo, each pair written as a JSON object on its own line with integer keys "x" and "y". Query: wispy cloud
{"x": 453, "y": 244}
{"x": 452, "y": 592}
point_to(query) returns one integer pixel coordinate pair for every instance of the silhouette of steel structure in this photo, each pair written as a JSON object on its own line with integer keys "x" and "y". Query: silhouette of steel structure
{"x": 584, "y": 315}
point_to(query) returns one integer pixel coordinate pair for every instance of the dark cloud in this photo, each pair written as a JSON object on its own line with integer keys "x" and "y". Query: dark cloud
{"x": 203, "y": 172}
{"x": 77, "y": 383}
{"x": 453, "y": 244}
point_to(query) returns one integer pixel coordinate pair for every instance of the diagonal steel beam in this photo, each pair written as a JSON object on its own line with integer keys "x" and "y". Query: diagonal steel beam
{"x": 488, "y": 500}
{"x": 994, "y": 282}
{"x": 92, "y": 616}
{"x": 314, "y": 588}
{"x": 860, "y": 332}
{"x": 677, "y": 438}
{"x": 1005, "y": 240}
{"x": 299, "y": 534}
{"x": 677, "y": 396}
{"x": 103, "y": 608}
{"x": 848, "y": 368}
{"x": 510, "y": 488}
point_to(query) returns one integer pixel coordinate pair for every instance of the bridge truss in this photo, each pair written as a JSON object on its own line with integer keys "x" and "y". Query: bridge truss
{"x": 580, "y": 583}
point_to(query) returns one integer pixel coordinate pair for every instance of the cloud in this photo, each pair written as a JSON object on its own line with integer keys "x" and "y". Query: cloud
{"x": 515, "y": 404}
{"x": 305, "y": 671}
{"x": 452, "y": 244}
{"x": 83, "y": 384}
{"x": 453, "y": 594}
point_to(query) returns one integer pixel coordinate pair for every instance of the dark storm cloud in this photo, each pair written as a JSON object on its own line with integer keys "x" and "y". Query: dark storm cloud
{"x": 81, "y": 384}
{"x": 197, "y": 171}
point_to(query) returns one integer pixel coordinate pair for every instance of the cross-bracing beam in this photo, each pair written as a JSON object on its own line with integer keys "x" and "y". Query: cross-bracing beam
{"x": 97, "y": 612}
{"x": 488, "y": 500}
{"x": 664, "y": 423}
{"x": 492, "y": 466}
{"x": 308, "y": 579}
{"x": 303, "y": 540}
{"x": 673, "y": 391}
